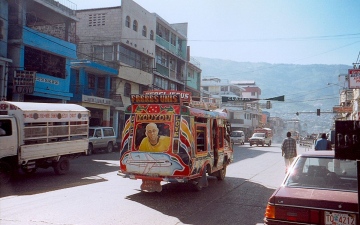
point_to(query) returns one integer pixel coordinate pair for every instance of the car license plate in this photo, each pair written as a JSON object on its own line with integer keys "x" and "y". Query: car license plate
{"x": 332, "y": 218}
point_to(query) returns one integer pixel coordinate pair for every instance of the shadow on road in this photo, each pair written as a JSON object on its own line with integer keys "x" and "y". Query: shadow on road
{"x": 83, "y": 170}
{"x": 232, "y": 201}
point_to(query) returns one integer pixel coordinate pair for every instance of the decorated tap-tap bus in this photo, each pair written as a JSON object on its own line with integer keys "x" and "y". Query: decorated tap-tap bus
{"x": 167, "y": 137}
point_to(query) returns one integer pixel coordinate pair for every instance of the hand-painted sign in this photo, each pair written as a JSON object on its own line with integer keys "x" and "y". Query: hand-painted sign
{"x": 24, "y": 82}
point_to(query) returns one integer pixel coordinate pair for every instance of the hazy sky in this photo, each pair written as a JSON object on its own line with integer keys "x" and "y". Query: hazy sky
{"x": 272, "y": 31}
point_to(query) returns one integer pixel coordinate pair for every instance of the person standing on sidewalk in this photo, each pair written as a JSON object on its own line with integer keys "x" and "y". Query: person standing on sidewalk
{"x": 323, "y": 143}
{"x": 288, "y": 148}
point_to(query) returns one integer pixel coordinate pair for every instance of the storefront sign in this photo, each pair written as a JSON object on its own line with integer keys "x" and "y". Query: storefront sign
{"x": 96, "y": 100}
{"x": 24, "y": 82}
{"x": 117, "y": 100}
{"x": 354, "y": 78}
{"x": 342, "y": 109}
{"x": 233, "y": 99}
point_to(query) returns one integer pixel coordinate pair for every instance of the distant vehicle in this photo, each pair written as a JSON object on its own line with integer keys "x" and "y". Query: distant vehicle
{"x": 41, "y": 135}
{"x": 101, "y": 138}
{"x": 318, "y": 189}
{"x": 261, "y": 136}
{"x": 237, "y": 137}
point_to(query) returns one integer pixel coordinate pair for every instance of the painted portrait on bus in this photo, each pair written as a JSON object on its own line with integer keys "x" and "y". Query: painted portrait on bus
{"x": 153, "y": 137}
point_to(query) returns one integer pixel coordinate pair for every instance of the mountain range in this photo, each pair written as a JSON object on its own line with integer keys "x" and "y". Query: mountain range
{"x": 306, "y": 87}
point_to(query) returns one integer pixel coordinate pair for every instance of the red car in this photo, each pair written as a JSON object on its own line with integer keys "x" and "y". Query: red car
{"x": 318, "y": 189}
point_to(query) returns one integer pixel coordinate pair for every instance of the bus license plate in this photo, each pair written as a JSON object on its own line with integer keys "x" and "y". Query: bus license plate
{"x": 332, "y": 218}
{"x": 151, "y": 186}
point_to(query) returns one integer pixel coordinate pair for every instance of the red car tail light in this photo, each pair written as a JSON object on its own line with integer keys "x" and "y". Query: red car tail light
{"x": 270, "y": 211}
{"x": 293, "y": 214}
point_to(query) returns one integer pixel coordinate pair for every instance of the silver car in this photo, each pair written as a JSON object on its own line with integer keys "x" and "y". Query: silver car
{"x": 101, "y": 138}
{"x": 237, "y": 137}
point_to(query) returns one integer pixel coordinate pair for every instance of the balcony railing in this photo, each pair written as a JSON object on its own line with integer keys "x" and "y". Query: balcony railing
{"x": 79, "y": 90}
{"x": 65, "y": 5}
{"x": 171, "y": 48}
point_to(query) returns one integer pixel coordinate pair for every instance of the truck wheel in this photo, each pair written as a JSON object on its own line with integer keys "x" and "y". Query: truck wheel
{"x": 90, "y": 150}
{"x": 5, "y": 173}
{"x": 109, "y": 147}
{"x": 62, "y": 166}
{"x": 269, "y": 143}
{"x": 28, "y": 171}
{"x": 250, "y": 144}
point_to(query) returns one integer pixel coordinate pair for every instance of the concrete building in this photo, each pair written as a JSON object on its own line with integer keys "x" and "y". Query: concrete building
{"x": 91, "y": 88}
{"x": 149, "y": 53}
{"x": 40, "y": 43}
{"x": 5, "y": 62}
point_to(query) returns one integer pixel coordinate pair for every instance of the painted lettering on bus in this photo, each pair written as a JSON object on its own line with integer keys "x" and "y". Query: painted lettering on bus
{"x": 177, "y": 126}
{"x": 155, "y": 99}
{"x": 155, "y": 117}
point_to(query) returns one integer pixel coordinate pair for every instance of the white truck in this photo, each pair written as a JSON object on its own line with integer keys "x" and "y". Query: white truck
{"x": 41, "y": 135}
{"x": 261, "y": 136}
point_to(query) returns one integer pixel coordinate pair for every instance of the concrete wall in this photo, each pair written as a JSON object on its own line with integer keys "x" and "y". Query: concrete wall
{"x": 135, "y": 39}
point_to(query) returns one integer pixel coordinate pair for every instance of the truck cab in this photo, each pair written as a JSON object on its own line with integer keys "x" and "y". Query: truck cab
{"x": 9, "y": 137}
{"x": 261, "y": 137}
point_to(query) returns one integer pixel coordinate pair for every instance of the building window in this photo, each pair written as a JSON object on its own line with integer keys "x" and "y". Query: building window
{"x": 173, "y": 86}
{"x": 143, "y": 88}
{"x": 127, "y": 89}
{"x": 101, "y": 82}
{"x": 253, "y": 93}
{"x": 135, "y": 25}
{"x": 97, "y": 19}
{"x": 91, "y": 81}
{"x": 104, "y": 52}
{"x": 161, "y": 58}
{"x": 144, "y": 31}
{"x": 127, "y": 21}
{"x": 151, "y": 35}
{"x": 45, "y": 63}
{"x": 173, "y": 39}
{"x": 161, "y": 83}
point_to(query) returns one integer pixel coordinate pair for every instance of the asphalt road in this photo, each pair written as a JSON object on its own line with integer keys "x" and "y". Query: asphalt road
{"x": 92, "y": 194}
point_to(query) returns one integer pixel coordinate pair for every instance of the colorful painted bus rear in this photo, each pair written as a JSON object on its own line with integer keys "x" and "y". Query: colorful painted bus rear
{"x": 167, "y": 137}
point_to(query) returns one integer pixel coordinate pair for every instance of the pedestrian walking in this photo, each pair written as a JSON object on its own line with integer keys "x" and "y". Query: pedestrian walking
{"x": 323, "y": 143}
{"x": 289, "y": 152}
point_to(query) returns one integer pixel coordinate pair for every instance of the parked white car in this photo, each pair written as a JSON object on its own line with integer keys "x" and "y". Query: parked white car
{"x": 101, "y": 138}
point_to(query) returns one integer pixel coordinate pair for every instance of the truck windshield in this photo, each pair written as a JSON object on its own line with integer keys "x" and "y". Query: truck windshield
{"x": 236, "y": 134}
{"x": 259, "y": 135}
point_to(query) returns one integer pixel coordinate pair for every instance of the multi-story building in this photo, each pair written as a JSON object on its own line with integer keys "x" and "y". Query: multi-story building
{"x": 5, "y": 62}
{"x": 193, "y": 79}
{"x": 171, "y": 55}
{"x": 93, "y": 57}
{"x": 91, "y": 87}
{"x": 149, "y": 52}
{"x": 40, "y": 43}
